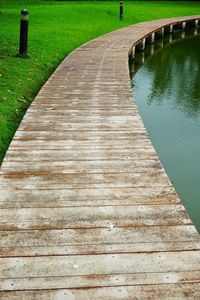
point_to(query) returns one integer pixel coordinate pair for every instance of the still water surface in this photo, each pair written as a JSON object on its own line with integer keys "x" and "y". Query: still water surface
{"x": 167, "y": 92}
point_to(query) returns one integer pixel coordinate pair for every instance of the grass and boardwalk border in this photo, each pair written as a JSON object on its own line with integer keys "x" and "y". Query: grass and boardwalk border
{"x": 57, "y": 28}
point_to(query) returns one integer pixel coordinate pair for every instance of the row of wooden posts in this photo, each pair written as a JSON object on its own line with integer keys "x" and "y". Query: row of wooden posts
{"x": 150, "y": 39}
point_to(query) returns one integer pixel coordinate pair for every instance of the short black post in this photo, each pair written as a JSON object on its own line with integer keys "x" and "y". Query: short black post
{"x": 23, "y": 46}
{"x": 121, "y": 10}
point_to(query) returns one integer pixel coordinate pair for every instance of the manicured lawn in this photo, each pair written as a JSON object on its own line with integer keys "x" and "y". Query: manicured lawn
{"x": 56, "y": 28}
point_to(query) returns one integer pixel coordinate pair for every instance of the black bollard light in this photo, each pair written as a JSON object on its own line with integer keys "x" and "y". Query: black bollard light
{"x": 121, "y": 10}
{"x": 23, "y": 45}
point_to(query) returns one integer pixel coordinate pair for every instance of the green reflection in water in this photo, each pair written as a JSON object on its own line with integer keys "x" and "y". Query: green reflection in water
{"x": 167, "y": 93}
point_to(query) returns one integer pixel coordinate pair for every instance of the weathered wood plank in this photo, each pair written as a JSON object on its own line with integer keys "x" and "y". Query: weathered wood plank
{"x": 83, "y": 166}
{"x": 99, "y": 240}
{"x": 78, "y": 120}
{"x": 76, "y": 145}
{"x": 84, "y": 180}
{"x": 81, "y": 154}
{"x": 87, "y": 217}
{"x": 98, "y": 236}
{"x": 79, "y": 194}
{"x": 51, "y": 126}
{"x": 111, "y": 280}
{"x": 99, "y": 264}
{"x": 87, "y": 197}
{"x": 84, "y": 135}
{"x": 157, "y": 292}
{"x": 91, "y": 249}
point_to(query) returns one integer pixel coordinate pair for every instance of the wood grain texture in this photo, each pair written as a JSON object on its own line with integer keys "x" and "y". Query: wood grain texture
{"x": 86, "y": 208}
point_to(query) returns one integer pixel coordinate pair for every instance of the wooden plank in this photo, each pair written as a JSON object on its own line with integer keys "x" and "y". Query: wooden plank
{"x": 91, "y": 249}
{"x": 84, "y": 135}
{"x": 87, "y": 217}
{"x": 87, "y": 197}
{"x": 78, "y": 120}
{"x": 111, "y": 280}
{"x": 81, "y": 112}
{"x": 85, "y": 100}
{"x": 79, "y": 194}
{"x": 64, "y": 155}
{"x": 103, "y": 236}
{"x": 99, "y": 264}
{"x": 98, "y": 241}
{"x": 157, "y": 292}
{"x": 84, "y": 180}
{"x": 83, "y": 166}
{"x": 80, "y": 105}
{"x": 51, "y": 126}
{"x": 84, "y": 144}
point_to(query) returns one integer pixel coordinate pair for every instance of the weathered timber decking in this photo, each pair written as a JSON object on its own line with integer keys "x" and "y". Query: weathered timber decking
{"x": 87, "y": 211}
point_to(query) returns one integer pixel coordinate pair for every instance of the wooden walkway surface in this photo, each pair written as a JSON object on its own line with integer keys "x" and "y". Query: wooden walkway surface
{"x": 87, "y": 211}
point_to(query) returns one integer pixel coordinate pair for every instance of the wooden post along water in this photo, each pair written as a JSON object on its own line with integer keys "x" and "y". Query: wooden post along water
{"x": 141, "y": 45}
{"x": 150, "y": 39}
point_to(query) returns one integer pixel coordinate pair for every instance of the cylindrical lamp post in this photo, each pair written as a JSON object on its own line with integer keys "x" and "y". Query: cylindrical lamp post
{"x": 23, "y": 44}
{"x": 121, "y": 10}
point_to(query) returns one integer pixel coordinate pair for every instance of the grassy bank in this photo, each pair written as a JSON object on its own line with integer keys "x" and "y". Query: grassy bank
{"x": 56, "y": 28}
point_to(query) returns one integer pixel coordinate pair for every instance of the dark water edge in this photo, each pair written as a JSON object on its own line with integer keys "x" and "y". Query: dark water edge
{"x": 166, "y": 88}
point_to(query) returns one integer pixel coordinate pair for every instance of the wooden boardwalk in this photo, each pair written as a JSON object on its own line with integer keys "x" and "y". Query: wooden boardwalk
{"x": 87, "y": 211}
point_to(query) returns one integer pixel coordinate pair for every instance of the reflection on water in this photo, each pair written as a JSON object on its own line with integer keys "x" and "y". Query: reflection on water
{"x": 167, "y": 92}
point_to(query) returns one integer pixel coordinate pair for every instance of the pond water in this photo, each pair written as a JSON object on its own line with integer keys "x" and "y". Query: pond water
{"x": 166, "y": 89}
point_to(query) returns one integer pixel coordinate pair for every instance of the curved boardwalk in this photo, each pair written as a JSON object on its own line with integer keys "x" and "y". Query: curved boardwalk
{"x": 87, "y": 211}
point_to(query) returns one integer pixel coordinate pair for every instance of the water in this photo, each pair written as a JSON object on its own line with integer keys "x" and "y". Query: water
{"x": 167, "y": 92}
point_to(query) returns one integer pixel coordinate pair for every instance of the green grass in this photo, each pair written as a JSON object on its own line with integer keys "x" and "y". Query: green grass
{"x": 56, "y": 28}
